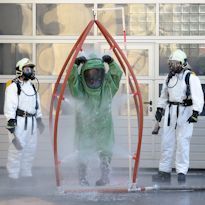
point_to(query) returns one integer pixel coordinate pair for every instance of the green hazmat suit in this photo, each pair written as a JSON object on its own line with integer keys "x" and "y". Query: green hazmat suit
{"x": 94, "y": 126}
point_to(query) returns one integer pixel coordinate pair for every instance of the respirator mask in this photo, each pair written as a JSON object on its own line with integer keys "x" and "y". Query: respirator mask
{"x": 28, "y": 73}
{"x": 175, "y": 66}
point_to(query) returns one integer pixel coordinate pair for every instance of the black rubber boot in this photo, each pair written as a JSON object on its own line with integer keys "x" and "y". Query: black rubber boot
{"x": 161, "y": 177}
{"x": 105, "y": 171}
{"x": 82, "y": 169}
{"x": 181, "y": 178}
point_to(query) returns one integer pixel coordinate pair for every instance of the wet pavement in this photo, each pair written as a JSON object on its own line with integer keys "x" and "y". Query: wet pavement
{"x": 41, "y": 189}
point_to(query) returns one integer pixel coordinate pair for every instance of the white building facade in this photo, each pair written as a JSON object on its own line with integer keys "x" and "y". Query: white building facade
{"x": 46, "y": 30}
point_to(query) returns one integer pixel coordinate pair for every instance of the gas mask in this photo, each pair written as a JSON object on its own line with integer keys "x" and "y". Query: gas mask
{"x": 175, "y": 67}
{"x": 94, "y": 77}
{"x": 28, "y": 73}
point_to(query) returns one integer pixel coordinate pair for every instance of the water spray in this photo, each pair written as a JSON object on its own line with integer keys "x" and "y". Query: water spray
{"x": 134, "y": 89}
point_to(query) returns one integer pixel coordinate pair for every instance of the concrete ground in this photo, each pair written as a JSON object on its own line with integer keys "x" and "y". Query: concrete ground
{"x": 41, "y": 190}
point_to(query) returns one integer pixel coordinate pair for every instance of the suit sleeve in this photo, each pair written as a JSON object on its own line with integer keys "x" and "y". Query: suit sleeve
{"x": 163, "y": 99}
{"x": 38, "y": 112}
{"x": 11, "y": 101}
{"x": 114, "y": 76}
{"x": 197, "y": 94}
{"x": 74, "y": 81}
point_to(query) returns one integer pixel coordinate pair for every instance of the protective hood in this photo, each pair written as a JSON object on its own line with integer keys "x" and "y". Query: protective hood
{"x": 93, "y": 83}
{"x": 93, "y": 63}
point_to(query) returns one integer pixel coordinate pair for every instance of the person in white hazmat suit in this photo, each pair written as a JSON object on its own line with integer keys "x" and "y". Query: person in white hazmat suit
{"x": 182, "y": 101}
{"x": 23, "y": 113}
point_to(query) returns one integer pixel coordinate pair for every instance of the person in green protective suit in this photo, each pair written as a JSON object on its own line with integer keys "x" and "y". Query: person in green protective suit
{"x": 94, "y": 88}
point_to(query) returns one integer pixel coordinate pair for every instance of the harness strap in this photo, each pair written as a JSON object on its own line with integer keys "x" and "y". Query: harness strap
{"x": 188, "y": 91}
{"x": 169, "y": 117}
{"x": 185, "y": 103}
{"x": 37, "y": 106}
{"x": 177, "y": 115}
{"x": 25, "y": 114}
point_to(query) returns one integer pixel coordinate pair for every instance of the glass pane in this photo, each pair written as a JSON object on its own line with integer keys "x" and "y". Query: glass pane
{"x": 177, "y": 8}
{"x": 202, "y": 8}
{"x": 51, "y": 57}
{"x": 2, "y": 93}
{"x": 166, "y": 17}
{"x": 63, "y": 19}
{"x": 139, "y": 19}
{"x": 194, "y": 8}
{"x": 15, "y": 19}
{"x": 145, "y": 97}
{"x": 67, "y": 104}
{"x": 139, "y": 61}
{"x": 166, "y": 28}
{"x": 185, "y": 8}
{"x": 181, "y": 19}
{"x": 195, "y": 54}
{"x": 10, "y": 54}
{"x": 45, "y": 91}
{"x": 166, "y": 8}
{"x": 176, "y": 18}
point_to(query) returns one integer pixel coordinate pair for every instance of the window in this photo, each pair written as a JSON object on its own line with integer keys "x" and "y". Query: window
{"x": 15, "y": 19}
{"x": 63, "y": 19}
{"x": 123, "y": 101}
{"x": 51, "y": 57}
{"x": 10, "y": 54}
{"x": 140, "y": 19}
{"x": 182, "y": 19}
{"x": 195, "y": 54}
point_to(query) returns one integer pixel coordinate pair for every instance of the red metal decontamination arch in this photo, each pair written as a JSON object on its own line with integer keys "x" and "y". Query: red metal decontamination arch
{"x": 132, "y": 82}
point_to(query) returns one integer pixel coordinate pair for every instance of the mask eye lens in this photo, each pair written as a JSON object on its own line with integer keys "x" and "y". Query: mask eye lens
{"x": 174, "y": 63}
{"x": 94, "y": 77}
{"x": 27, "y": 69}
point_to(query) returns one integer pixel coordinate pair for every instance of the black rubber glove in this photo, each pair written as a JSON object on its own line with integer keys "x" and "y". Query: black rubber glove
{"x": 79, "y": 60}
{"x": 107, "y": 59}
{"x": 40, "y": 125}
{"x": 194, "y": 117}
{"x": 11, "y": 124}
{"x": 159, "y": 114}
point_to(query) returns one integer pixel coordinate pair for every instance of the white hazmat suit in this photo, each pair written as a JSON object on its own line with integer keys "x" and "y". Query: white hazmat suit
{"x": 177, "y": 130}
{"x": 20, "y": 161}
